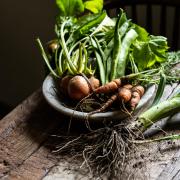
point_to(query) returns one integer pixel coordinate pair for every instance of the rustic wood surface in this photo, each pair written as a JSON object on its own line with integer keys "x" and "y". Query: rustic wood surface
{"x": 26, "y": 144}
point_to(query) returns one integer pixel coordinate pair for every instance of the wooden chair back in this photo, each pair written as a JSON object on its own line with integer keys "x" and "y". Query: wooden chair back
{"x": 160, "y": 17}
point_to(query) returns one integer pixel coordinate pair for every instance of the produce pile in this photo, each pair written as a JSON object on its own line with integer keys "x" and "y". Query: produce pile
{"x": 103, "y": 64}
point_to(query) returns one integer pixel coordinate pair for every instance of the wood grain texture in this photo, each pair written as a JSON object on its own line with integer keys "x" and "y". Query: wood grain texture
{"x": 22, "y": 133}
{"x": 26, "y": 144}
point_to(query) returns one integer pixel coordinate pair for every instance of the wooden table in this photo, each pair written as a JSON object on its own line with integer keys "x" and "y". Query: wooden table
{"x": 25, "y": 147}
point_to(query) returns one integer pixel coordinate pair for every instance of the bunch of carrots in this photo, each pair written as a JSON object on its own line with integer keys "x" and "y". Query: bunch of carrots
{"x": 80, "y": 87}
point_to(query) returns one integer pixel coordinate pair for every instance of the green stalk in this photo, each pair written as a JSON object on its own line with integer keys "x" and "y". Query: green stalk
{"x": 71, "y": 65}
{"x": 99, "y": 61}
{"x": 157, "y": 112}
{"x": 100, "y": 52}
{"x": 58, "y": 68}
{"x": 60, "y": 63}
{"x": 46, "y": 58}
{"x": 107, "y": 54}
{"x": 170, "y": 137}
{"x": 101, "y": 68}
{"x": 80, "y": 61}
{"x": 77, "y": 43}
{"x": 86, "y": 60}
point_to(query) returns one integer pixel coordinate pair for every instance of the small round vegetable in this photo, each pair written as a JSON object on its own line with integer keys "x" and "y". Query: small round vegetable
{"x": 78, "y": 88}
{"x": 139, "y": 89}
{"x": 64, "y": 83}
{"x": 94, "y": 82}
{"x": 135, "y": 99}
{"x": 52, "y": 46}
{"x": 124, "y": 94}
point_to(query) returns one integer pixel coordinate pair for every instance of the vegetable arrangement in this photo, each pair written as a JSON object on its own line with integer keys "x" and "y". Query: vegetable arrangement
{"x": 111, "y": 61}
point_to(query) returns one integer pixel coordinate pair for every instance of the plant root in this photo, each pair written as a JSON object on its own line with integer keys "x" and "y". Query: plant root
{"x": 106, "y": 105}
{"x": 106, "y": 151}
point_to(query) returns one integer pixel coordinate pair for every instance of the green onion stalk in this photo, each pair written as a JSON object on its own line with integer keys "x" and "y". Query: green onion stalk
{"x": 155, "y": 113}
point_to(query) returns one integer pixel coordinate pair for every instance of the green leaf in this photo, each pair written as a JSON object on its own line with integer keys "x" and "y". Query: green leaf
{"x": 142, "y": 33}
{"x": 94, "y": 6}
{"x": 70, "y": 7}
{"x": 88, "y": 25}
{"x": 149, "y": 50}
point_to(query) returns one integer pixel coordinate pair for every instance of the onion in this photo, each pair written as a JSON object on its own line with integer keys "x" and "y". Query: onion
{"x": 78, "y": 88}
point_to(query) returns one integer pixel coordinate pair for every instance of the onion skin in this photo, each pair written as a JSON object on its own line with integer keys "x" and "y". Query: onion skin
{"x": 52, "y": 46}
{"x": 78, "y": 88}
{"x": 64, "y": 84}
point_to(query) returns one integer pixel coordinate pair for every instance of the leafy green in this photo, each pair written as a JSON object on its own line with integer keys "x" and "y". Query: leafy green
{"x": 70, "y": 7}
{"x": 76, "y": 7}
{"x": 94, "y": 6}
{"x": 142, "y": 33}
{"x": 149, "y": 51}
{"x": 86, "y": 28}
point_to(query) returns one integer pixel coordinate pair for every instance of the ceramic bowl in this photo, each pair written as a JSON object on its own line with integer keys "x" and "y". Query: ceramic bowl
{"x": 50, "y": 93}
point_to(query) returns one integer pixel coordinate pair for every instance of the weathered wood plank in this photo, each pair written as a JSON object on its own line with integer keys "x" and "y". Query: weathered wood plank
{"x": 172, "y": 170}
{"x": 22, "y": 133}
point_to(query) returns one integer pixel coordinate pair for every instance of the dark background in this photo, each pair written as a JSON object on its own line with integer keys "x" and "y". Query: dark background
{"x": 21, "y": 66}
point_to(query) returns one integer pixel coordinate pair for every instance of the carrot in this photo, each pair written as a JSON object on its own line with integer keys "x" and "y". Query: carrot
{"x": 135, "y": 99}
{"x": 94, "y": 82}
{"x": 124, "y": 94}
{"x": 106, "y": 105}
{"x": 109, "y": 87}
{"x": 137, "y": 93}
{"x": 139, "y": 89}
{"x": 128, "y": 86}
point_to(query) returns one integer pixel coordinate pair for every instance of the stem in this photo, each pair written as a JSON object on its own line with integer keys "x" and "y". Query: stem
{"x": 59, "y": 70}
{"x": 77, "y": 43}
{"x": 157, "y": 112}
{"x": 60, "y": 63}
{"x": 80, "y": 61}
{"x": 46, "y": 58}
{"x": 71, "y": 65}
{"x": 101, "y": 67}
{"x": 139, "y": 74}
{"x": 171, "y": 137}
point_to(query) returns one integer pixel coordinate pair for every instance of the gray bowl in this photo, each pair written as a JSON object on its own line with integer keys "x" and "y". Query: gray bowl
{"x": 49, "y": 92}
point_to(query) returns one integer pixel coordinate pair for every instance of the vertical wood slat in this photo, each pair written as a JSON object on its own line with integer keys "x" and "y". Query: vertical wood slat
{"x": 162, "y": 29}
{"x": 176, "y": 29}
{"x": 163, "y": 20}
{"x": 149, "y": 18}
